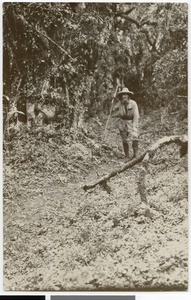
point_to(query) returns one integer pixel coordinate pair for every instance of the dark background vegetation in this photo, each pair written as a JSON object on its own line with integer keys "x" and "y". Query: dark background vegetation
{"x": 143, "y": 45}
{"x": 70, "y": 57}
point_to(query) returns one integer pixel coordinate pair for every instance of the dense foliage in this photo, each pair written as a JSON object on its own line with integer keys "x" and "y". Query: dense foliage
{"x": 71, "y": 56}
{"x": 76, "y": 52}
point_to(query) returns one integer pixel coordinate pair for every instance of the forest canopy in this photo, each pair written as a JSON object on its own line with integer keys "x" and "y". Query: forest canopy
{"x": 75, "y": 53}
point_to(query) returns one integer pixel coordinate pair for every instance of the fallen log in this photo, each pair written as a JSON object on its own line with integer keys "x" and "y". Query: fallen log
{"x": 181, "y": 140}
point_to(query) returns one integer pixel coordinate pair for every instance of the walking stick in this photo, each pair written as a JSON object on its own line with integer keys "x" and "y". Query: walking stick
{"x": 106, "y": 125}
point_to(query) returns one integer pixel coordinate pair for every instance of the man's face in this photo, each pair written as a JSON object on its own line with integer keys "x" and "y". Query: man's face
{"x": 125, "y": 98}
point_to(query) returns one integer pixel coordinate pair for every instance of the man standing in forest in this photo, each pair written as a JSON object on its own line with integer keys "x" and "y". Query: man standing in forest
{"x": 126, "y": 114}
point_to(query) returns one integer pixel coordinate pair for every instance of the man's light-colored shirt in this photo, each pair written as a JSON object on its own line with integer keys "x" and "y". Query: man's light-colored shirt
{"x": 130, "y": 110}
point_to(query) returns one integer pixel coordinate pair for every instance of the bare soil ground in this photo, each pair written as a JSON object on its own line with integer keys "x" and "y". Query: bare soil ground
{"x": 59, "y": 237}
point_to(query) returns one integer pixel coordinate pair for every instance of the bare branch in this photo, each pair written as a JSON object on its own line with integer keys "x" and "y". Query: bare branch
{"x": 43, "y": 34}
{"x": 145, "y": 156}
{"x": 129, "y": 19}
{"x": 148, "y": 23}
{"x": 118, "y": 14}
{"x": 53, "y": 42}
{"x": 151, "y": 43}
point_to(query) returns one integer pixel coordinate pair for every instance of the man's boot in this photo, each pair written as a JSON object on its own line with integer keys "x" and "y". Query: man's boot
{"x": 135, "y": 148}
{"x": 126, "y": 149}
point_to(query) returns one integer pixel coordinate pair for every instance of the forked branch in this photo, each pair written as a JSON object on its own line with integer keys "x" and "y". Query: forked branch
{"x": 182, "y": 141}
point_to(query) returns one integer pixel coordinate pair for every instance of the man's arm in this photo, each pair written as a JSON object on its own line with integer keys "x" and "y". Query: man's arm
{"x": 135, "y": 115}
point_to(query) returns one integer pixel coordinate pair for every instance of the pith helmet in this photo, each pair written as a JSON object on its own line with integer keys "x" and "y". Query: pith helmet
{"x": 125, "y": 90}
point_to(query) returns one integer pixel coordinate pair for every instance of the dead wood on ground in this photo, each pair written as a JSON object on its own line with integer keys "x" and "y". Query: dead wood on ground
{"x": 182, "y": 141}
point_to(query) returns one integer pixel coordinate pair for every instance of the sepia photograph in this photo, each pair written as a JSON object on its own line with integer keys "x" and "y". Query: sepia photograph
{"x": 95, "y": 146}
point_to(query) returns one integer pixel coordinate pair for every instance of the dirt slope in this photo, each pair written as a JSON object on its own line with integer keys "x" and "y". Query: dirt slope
{"x": 58, "y": 237}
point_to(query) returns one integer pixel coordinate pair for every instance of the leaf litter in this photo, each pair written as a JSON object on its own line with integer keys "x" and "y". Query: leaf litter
{"x": 58, "y": 237}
